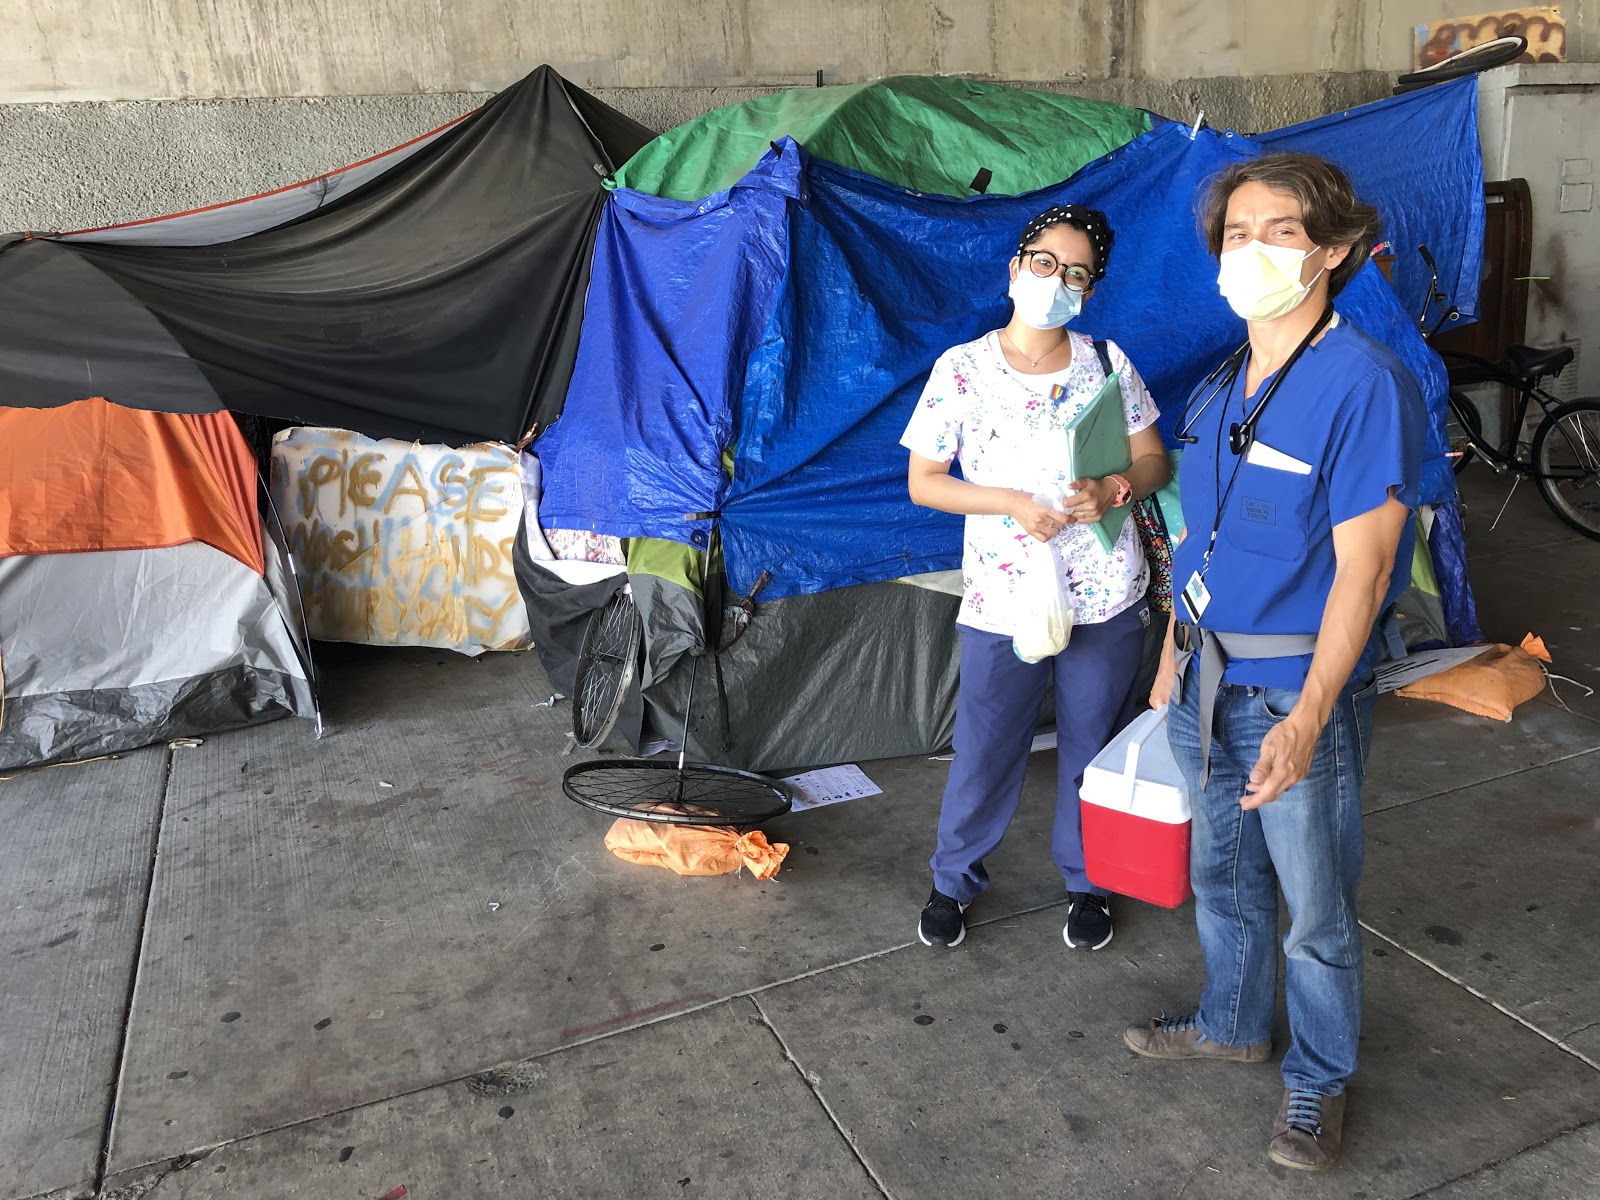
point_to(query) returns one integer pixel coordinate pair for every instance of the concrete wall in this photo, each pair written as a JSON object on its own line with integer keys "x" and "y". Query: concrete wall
{"x": 116, "y": 109}
{"x": 1266, "y": 37}
{"x": 71, "y": 50}
{"x": 179, "y": 49}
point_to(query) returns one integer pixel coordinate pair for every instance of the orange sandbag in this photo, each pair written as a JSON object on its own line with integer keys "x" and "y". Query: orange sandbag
{"x": 695, "y": 849}
{"x": 1491, "y": 685}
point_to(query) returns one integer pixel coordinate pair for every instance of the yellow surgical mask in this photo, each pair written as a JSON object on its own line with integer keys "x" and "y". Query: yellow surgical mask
{"x": 1261, "y": 282}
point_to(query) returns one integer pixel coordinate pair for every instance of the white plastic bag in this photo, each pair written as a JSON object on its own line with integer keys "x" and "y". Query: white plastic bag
{"x": 1043, "y": 604}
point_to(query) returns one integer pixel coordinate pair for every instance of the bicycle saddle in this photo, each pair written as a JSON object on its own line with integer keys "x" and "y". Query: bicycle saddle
{"x": 1536, "y": 364}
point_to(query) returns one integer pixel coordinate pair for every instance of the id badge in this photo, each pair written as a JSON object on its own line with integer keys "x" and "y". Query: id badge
{"x": 1195, "y": 597}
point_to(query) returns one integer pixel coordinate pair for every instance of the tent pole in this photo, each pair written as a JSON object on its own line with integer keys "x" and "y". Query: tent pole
{"x": 688, "y": 710}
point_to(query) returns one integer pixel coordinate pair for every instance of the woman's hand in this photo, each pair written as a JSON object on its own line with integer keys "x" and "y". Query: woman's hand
{"x": 1038, "y": 520}
{"x": 1089, "y": 500}
{"x": 1161, "y": 690}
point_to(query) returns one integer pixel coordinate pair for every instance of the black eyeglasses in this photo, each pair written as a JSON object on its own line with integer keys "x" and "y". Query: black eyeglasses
{"x": 1044, "y": 264}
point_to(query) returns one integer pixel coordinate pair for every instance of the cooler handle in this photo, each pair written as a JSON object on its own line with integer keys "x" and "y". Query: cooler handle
{"x": 1150, "y": 724}
{"x": 1130, "y": 773}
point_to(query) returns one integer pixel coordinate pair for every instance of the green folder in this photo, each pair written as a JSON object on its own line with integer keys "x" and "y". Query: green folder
{"x": 1097, "y": 446}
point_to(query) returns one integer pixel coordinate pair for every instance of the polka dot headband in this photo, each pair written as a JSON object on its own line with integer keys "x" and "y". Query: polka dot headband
{"x": 1091, "y": 222}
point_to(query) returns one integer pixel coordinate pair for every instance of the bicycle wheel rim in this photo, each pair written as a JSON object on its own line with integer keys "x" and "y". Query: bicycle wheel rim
{"x": 662, "y": 792}
{"x": 1566, "y": 455}
{"x": 606, "y": 663}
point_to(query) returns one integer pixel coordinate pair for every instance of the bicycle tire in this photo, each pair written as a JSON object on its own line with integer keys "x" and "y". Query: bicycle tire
{"x": 1462, "y": 436}
{"x": 695, "y": 794}
{"x": 607, "y": 661}
{"x": 1568, "y": 467}
{"x": 1483, "y": 57}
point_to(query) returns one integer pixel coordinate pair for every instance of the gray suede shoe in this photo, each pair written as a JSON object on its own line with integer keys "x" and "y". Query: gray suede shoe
{"x": 1309, "y": 1133}
{"x": 1180, "y": 1038}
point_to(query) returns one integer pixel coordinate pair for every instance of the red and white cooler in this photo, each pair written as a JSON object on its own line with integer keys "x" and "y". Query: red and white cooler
{"x": 1136, "y": 816}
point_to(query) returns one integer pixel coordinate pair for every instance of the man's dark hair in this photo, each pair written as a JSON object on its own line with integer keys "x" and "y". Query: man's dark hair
{"x": 1329, "y": 210}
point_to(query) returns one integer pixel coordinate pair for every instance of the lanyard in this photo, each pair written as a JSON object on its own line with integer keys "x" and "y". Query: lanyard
{"x": 1242, "y": 435}
{"x": 1222, "y": 493}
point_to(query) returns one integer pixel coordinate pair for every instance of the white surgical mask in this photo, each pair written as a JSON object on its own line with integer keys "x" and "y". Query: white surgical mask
{"x": 1262, "y": 283}
{"x": 1044, "y": 302}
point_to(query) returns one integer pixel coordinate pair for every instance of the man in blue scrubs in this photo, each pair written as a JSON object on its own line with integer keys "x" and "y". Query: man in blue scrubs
{"x": 1298, "y": 539}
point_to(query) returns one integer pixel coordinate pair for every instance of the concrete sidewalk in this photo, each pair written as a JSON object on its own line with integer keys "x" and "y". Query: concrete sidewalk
{"x": 250, "y": 969}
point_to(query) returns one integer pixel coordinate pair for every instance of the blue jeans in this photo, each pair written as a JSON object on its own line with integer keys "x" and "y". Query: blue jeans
{"x": 1308, "y": 842}
{"x": 997, "y": 711}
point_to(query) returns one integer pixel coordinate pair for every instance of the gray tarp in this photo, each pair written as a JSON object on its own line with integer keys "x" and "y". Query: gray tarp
{"x": 106, "y": 651}
{"x": 850, "y": 674}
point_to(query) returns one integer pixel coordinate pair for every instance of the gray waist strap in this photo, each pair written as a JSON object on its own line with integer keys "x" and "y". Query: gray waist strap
{"x": 1215, "y": 651}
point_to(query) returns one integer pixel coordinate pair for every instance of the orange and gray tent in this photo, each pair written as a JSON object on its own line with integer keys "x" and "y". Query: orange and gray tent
{"x": 141, "y": 597}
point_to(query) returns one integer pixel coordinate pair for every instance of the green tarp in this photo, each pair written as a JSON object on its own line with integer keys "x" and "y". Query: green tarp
{"x": 924, "y": 133}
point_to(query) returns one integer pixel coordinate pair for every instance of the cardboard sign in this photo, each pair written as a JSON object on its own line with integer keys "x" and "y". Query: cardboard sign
{"x": 402, "y": 544}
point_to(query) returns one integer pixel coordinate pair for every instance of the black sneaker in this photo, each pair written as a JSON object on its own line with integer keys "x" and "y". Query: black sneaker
{"x": 1088, "y": 921}
{"x": 941, "y": 923}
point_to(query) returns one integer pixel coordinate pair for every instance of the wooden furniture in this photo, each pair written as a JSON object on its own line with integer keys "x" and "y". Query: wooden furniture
{"x": 1503, "y": 295}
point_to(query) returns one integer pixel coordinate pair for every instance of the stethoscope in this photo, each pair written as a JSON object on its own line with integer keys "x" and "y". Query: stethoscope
{"x": 1242, "y": 434}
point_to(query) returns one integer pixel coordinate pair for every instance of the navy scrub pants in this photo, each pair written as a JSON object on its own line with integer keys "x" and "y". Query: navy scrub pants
{"x": 996, "y": 714}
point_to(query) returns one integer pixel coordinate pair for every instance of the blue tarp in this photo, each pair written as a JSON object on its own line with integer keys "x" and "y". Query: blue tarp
{"x": 677, "y": 298}
{"x": 1393, "y": 152}
{"x": 848, "y": 288}
{"x": 1448, "y": 545}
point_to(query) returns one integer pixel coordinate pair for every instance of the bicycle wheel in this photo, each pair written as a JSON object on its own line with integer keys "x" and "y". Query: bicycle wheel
{"x": 1566, "y": 459}
{"x": 1463, "y": 430}
{"x": 606, "y": 664}
{"x": 696, "y": 794}
{"x": 1483, "y": 57}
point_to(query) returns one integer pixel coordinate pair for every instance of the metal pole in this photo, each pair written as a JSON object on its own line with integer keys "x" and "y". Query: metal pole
{"x": 683, "y": 747}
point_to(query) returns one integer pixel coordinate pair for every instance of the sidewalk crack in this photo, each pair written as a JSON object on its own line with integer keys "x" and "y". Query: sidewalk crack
{"x": 139, "y": 1189}
{"x": 1449, "y": 791}
{"x": 814, "y": 1082}
{"x": 1558, "y": 1043}
{"x": 1485, "y": 1168}
{"x": 103, "y": 1159}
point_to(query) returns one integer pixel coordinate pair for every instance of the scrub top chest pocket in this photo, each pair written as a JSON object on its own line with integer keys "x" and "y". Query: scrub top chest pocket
{"x": 1270, "y": 511}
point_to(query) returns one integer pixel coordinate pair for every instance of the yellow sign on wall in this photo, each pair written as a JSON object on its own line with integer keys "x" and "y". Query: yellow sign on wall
{"x": 1543, "y": 26}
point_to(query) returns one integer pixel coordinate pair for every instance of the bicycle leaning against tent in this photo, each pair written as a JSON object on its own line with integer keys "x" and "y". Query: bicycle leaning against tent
{"x": 1564, "y": 455}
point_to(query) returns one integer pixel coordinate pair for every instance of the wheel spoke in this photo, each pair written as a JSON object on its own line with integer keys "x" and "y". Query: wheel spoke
{"x": 1567, "y": 454}
{"x": 606, "y": 664}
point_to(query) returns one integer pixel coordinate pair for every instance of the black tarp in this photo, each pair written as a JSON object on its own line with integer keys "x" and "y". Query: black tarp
{"x": 68, "y": 332}
{"x": 439, "y": 302}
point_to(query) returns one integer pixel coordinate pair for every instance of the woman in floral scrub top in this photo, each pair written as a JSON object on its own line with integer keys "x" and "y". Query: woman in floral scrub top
{"x": 997, "y": 406}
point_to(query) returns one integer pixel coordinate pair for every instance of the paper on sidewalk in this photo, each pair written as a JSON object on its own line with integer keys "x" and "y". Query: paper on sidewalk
{"x": 830, "y": 785}
{"x": 1395, "y": 675}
